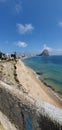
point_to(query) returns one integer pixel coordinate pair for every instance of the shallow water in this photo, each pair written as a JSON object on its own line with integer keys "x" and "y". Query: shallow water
{"x": 49, "y": 69}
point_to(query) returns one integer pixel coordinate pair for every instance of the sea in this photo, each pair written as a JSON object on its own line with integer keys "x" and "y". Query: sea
{"x": 48, "y": 69}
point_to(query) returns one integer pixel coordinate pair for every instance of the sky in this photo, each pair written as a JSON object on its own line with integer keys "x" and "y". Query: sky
{"x": 29, "y": 26}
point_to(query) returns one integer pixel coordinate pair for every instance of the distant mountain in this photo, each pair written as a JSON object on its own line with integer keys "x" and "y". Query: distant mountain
{"x": 45, "y": 52}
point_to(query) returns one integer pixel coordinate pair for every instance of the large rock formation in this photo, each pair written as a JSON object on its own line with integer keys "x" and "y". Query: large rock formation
{"x": 45, "y": 52}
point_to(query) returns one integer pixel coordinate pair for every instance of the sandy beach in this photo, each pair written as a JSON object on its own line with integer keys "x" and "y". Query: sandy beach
{"x": 34, "y": 87}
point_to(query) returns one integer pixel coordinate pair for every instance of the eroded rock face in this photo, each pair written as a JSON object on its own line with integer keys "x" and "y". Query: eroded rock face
{"x": 24, "y": 114}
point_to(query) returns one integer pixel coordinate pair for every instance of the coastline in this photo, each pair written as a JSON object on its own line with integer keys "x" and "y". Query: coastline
{"x": 26, "y": 80}
{"x": 50, "y": 88}
{"x": 34, "y": 87}
{"x": 58, "y": 94}
{"x": 53, "y": 91}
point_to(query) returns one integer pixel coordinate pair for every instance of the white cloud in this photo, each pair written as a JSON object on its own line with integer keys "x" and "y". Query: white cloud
{"x": 15, "y": 6}
{"x": 18, "y": 7}
{"x": 53, "y": 50}
{"x": 58, "y": 50}
{"x": 48, "y": 48}
{"x": 60, "y": 24}
{"x": 24, "y": 28}
{"x": 21, "y": 44}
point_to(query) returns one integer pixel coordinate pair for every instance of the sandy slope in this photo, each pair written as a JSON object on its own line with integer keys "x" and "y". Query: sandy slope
{"x": 27, "y": 81}
{"x": 33, "y": 85}
{"x": 32, "y": 88}
{"x": 7, "y": 72}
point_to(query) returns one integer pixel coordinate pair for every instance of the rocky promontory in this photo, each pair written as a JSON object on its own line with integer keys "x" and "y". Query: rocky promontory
{"x": 45, "y": 52}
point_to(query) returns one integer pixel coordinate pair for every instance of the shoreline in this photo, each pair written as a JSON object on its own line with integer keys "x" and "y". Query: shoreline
{"x": 46, "y": 85}
{"x": 34, "y": 86}
{"x": 26, "y": 80}
{"x": 56, "y": 93}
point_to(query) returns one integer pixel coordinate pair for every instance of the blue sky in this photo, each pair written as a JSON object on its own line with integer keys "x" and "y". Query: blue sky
{"x": 28, "y": 26}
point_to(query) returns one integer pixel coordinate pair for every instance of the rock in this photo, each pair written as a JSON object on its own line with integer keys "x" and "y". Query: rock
{"x": 45, "y": 52}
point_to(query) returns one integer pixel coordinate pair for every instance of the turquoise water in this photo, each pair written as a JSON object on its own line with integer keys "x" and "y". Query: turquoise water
{"x": 49, "y": 69}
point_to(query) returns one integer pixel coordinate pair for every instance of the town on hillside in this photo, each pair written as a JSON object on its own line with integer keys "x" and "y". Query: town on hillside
{"x": 12, "y": 56}
{"x": 15, "y": 56}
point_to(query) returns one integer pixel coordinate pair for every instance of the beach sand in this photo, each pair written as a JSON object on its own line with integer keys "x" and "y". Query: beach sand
{"x": 34, "y": 87}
